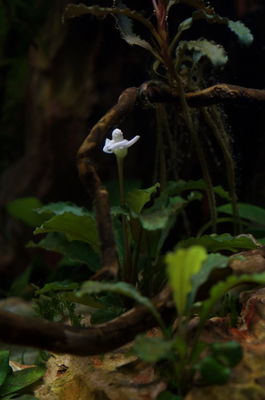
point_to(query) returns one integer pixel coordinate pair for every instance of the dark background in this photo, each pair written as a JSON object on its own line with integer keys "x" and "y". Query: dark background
{"x": 58, "y": 79}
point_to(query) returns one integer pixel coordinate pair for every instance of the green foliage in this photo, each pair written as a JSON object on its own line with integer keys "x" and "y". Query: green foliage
{"x": 242, "y": 32}
{"x": 54, "y": 304}
{"x": 181, "y": 266}
{"x": 73, "y": 251}
{"x": 213, "y": 372}
{"x": 11, "y": 383}
{"x": 153, "y": 349}
{"x": 122, "y": 288}
{"x": 76, "y": 227}
{"x": 220, "y": 242}
{"x": 219, "y": 289}
{"x": 228, "y": 353}
{"x": 204, "y": 48}
{"x": 20, "y": 380}
{"x": 216, "y": 368}
{"x": 138, "y": 198}
{"x": 212, "y": 262}
{"x": 246, "y": 211}
{"x": 24, "y": 209}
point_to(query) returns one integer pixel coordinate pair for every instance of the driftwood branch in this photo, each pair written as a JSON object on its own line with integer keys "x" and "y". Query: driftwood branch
{"x": 59, "y": 338}
{"x": 158, "y": 92}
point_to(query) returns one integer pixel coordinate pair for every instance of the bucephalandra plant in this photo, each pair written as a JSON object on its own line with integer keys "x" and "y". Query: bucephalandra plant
{"x": 162, "y": 276}
{"x": 119, "y": 147}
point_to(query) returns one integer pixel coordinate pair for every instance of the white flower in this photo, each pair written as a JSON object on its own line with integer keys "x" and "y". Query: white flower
{"x": 118, "y": 145}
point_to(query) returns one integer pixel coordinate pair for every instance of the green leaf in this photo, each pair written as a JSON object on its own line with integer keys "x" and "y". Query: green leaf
{"x": 159, "y": 218}
{"x": 24, "y": 209}
{"x": 214, "y": 372}
{"x": 125, "y": 26}
{"x": 229, "y": 353}
{"x": 60, "y": 208}
{"x": 4, "y": 365}
{"x": 57, "y": 287}
{"x": 242, "y": 31}
{"x": 137, "y": 198}
{"x": 204, "y": 48}
{"x": 75, "y": 227}
{"x": 212, "y": 262}
{"x": 218, "y": 290}
{"x": 181, "y": 265}
{"x": 201, "y": 185}
{"x": 75, "y": 251}
{"x": 152, "y": 349}
{"x": 122, "y": 288}
{"x": 220, "y": 242}
{"x": 247, "y": 211}
{"x": 101, "y": 316}
{"x": 21, "y": 379}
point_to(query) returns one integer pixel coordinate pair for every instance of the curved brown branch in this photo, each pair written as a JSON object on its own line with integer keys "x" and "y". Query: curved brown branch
{"x": 158, "y": 92}
{"x": 90, "y": 179}
{"x": 59, "y": 338}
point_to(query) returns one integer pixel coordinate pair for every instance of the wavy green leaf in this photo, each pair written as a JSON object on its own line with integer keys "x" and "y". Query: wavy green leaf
{"x": 152, "y": 349}
{"x": 242, "y": 32}
{"x": 122, "y": 288}
{"x": 75, "y": 227}
{"x": 220, "y": 242}
{"x": 21, "y": 379}
{"x": 138, "y": 198}
{"x": 75, "y": 251}
{"x": 182, "y": 264}
{"x": 218, "y": 290}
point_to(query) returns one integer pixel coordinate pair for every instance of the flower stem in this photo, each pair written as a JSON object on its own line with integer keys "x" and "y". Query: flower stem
{"x": 126, "y": 272}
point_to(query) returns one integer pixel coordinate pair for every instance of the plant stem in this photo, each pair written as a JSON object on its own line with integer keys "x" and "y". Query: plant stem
{"x": 126, "y": 272}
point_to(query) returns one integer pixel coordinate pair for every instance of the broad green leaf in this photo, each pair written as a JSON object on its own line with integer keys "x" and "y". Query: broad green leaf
{"x": 242, "y": 31}
{"x": 218, "y": 290}
{"x": 247, "y": 211}
{"x": 220, "y": 242}
{"x": 152, "y": 349}
{"x": 24, "y": 209}
{"x": 4, "y": 365}
{"x": 76, "y": 251}
{"x": 214, "y": 372}
{"x": 137, "y": 198}
{"x": 181, "y": 265}
{"x": 21, "y": 379}
{"x": 122, "y": 288}
{"x": 61, "y": 208}
{"x": 228, "y": 353}
{"x": 212, "y": 262}
{"x": 159, "y": 218}
{"x": 57, "y": 287}
{"x": 75, "y": 227}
